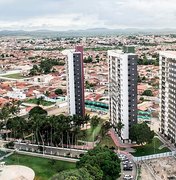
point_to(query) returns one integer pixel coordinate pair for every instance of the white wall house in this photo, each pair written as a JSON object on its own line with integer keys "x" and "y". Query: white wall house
{"x": 16, "y": 94}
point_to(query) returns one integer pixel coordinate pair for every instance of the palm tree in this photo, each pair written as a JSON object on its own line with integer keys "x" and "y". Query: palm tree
{"x": 86, "y": 119}
{"x": 18, "y": 127}
{"x": 40, "y": 100}
{"x": 37, "y": 122}
{"x": 9, "y": 110}
{"x": 47, "y": 93}
{"x": 105, "y": 128}
{"x": 119, "y": 126}
{"x": 95, "y": 120}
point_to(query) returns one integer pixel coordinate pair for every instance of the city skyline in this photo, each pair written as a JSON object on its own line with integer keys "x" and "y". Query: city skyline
{"x": 65, "y": 15}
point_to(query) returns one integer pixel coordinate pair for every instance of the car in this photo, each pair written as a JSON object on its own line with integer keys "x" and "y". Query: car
{"x": 125, "y": 162}
{"x": 125, "y": 165}
{"x": 121, "y": 156}
{"x": 128, "y": 177}
{"x": 125, "y": 159}
{"x": 130, "y": 165}
{"x": 127, "y": 168}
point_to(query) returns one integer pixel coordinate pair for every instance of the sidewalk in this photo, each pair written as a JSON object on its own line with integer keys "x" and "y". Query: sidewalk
{"x": 166, "y": 142}
{"x": 118, "y": 141}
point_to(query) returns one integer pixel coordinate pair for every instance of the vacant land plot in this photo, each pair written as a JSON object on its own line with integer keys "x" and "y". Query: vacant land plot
{"x": 161, "y": 168}
{"x": 14, "y": 76}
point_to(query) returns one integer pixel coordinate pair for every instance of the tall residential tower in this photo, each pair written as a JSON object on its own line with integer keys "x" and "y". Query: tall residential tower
{"x": 75, "y": 81}
{"x": 123, "y": 89}
{"x": 168, "y": 94}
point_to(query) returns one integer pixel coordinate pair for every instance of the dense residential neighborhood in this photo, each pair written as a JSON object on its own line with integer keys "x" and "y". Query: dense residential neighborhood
{"x": 41, "y": 116}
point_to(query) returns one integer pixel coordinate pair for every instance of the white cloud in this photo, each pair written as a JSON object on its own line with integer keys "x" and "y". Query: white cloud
{"x": 56, "y": 22}
{"x": 81, "y": 14}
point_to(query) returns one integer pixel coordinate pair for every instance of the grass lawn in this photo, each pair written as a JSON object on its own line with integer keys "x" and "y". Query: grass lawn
{"x": 151, "y": 148}
{"x": 43, "y": 168}
{"x": 14, "y": 76}
{"x": 107, "y": 141}
{"x": 90, "y": 134}
{"x": 43, "y": 102}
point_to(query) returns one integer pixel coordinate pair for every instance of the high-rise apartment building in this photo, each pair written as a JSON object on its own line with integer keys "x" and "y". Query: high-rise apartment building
{"x": 168, "y": 94}
{"x": 75, "y": 81}
{"x": 123, "y": 89}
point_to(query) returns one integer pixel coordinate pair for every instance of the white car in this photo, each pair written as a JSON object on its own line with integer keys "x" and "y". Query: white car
{"x": 127, "y": 177}
{"x": 122, "y": 156}
{"x": 124, "y": 159}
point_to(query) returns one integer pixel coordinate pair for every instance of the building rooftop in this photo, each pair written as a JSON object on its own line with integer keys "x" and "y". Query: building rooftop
{"x": 169, "y": 54}
{"x": 118, "y": 52}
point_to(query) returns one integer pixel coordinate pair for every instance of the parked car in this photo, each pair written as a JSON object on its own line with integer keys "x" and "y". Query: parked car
{"x": 125, "y": 159}
{"x": 127, "y": 168}
{"x": 125, "y": 162}
{"x": 127, "y": 165}
{"x": 122, "y": 156}
{"x": 127, "y": 177}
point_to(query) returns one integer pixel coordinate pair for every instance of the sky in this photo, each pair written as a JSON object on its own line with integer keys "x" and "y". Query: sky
{"x": 62, "y": 15}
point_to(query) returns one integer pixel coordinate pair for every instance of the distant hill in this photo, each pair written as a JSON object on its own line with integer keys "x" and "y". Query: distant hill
{"x": 87, "y": 32}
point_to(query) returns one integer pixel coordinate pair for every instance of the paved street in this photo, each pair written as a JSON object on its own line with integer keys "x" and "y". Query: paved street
{"x": 118, "y": 143}
{"x": 133, "y": 172}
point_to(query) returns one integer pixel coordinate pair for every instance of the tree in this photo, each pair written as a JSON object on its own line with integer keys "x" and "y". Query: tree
{"x": 88, "y": 59}
{"x": 34, "y": 71}
{"x": 94, "y": 171}
{"x": 86, "y": 118}
{"x": 95, "y": 120}
{"x": 10, "y": 145}
{"x": 156, "y": 63}
{"x": 73, "y": 174}
{"x": 47, "y": 93}
{"x": 102, "y": 159}
{"x": 8, "y": 111}
{"x": 145, "y": 60}
{"x": 105, "y": 128}
{"x": 97, "y": 56}
{"x": 37, "y": 110}
{"x": 143, "y": 78}
{"x": 141, "y": 133}
{"x": 147, "y": 93}
{"x": 58, "y": 91}
{"x": 139, "y": 79}
{"x": 141, "y": 98}
{"x": 89, "y": 85}
{"x": 46, "y": 66}
{"x": 40, "y": 100}
{"x": 119, "y": 127}
{"x": 18, "y": 127}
